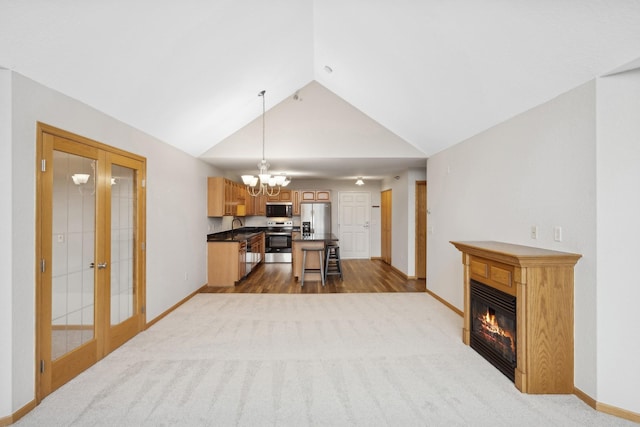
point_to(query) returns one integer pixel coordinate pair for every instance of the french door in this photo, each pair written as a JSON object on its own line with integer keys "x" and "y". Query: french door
{"x": 90, "y": 233}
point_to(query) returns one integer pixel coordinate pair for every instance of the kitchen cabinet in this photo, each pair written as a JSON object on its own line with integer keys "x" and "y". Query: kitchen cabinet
{"x": 309, "y": 196}
{"x": 283, "y": 196}
{"x": 315, "y": 195}
{"x": 226, "y": 262}
{"x": 229, "y": 260}
{"x": 225, "y": 197}
{"x": 296, "y": 202}
{"x": 255, "y": 251}
{"x": 259, "y": 203}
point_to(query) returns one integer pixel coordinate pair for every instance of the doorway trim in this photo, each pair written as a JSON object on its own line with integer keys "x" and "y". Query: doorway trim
{"x": 421, "y": 230}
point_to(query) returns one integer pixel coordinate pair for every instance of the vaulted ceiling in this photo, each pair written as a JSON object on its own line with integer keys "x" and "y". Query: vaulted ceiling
{"x": 428, "y": 73}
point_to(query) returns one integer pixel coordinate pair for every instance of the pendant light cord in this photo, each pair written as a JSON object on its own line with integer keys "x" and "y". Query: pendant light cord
{"x": 263, "y": 112}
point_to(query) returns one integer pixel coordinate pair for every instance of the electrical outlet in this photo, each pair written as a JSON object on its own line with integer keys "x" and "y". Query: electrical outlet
{"x": 534, "y": 232}
{"x": 557, "y": 233}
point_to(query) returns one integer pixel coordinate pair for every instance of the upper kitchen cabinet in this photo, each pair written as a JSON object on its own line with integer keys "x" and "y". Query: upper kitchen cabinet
{"x": 283, "y": 196}
{"x": 225, "y": 197}
{"x": 309, "y": 196}
{"x": 296, "y": 202}
{"x": 255, "y": 204}
{"x": 315, "y": 196}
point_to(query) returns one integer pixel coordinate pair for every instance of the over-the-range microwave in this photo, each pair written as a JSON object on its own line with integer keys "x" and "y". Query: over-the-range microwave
{"x": 279, "y": 209}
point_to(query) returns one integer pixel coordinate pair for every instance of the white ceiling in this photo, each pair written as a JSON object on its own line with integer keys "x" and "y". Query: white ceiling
{"x": 432, "y": 72}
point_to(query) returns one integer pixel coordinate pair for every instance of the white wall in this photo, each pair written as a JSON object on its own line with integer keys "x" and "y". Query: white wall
{"x": 6, "y": 323}
{"x": 537, "y": 168}
{"x": 176, "y": 215}
{"x": 618, "y": 233}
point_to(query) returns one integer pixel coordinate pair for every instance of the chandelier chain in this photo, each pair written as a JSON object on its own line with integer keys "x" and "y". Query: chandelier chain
{"x": 264, "y": 183}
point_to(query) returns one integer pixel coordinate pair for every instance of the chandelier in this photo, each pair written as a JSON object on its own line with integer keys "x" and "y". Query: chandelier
{"x": 265, "y": 183}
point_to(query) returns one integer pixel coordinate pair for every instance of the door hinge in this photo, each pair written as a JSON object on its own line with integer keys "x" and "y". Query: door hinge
{"x": 143, "y": 309}
{"x": 43, "y": 165}
{"x": 43, "y": 265}
{"x": 144, "y": 183}
{"x": 143, "y": 246}
{"x": 42, "y": 366}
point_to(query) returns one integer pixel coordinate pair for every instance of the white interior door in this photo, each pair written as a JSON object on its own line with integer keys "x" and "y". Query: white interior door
{"x": 354, "y": 212}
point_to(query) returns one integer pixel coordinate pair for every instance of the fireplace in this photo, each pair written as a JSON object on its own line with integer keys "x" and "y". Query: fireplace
{"x": 518, "y": 312}
{"x": 493, "y": 327}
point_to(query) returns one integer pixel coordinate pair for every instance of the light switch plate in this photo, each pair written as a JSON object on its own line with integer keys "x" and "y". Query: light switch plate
{"x": 557, "y": 233}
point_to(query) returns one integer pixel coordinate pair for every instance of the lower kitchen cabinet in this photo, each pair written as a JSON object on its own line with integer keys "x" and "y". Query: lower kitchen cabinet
{"x": 226, "y": 263}
{"x": 229, "y": 261}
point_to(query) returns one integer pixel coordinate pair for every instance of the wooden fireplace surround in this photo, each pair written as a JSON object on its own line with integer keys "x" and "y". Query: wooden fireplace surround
{"x": 542, "y": 282}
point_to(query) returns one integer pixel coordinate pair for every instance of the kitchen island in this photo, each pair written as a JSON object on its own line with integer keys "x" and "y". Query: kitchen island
{"x": 314, "y": 241}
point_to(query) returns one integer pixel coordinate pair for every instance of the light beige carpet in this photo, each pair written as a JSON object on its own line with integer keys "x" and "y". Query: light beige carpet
{"x": 304, "y": 360}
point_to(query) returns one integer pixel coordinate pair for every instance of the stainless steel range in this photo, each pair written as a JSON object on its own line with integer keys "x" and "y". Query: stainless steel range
{"x": 278, "y": 240}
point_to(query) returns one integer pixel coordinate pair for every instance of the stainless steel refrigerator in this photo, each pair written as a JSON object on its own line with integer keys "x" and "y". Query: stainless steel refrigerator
{"x": 317, "y": 215}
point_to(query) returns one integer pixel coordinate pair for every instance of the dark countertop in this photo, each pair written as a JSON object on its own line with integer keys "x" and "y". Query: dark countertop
{"x": 316, "y": 237}
{"x": 239, "y": 235}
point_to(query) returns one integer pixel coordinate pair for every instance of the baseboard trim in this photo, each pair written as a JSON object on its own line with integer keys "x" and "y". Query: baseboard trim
{"x": 607, "y": 409}
{"x": 446, "y": 303}
{"x": 618, "y": 412}
{"x": 173, "y": 307}
{"x": 585, "y": 397}
{"x": 6, "y": 421}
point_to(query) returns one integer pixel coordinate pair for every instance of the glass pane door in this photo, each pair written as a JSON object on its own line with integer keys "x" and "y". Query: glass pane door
{"x": 124, "y": 212}
{"x": 123, "y": 233}
{"x": 73, "y": 252}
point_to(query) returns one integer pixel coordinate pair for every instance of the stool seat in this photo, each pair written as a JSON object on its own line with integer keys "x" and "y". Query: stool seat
{"x": 332, "y": 260}
{"x": 319, "y": 270}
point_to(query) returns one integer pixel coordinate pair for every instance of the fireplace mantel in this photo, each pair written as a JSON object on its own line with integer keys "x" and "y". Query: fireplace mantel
{"x": 542, "y": 282}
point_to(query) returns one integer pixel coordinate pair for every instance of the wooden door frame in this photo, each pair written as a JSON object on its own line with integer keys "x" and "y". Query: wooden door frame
{"x": 44, "y": 199}
{"x": 386, "y": 210}
{"x": 419, "y": 212}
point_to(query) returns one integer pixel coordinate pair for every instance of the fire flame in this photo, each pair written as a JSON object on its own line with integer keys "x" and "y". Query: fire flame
{"x": 491, "y": 325}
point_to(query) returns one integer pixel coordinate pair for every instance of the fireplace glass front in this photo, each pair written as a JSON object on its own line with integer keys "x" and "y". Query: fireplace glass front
{"x": 493, "y": 327}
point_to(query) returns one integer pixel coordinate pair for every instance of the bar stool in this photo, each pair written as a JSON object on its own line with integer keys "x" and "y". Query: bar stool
{"x": 319, "y": 270}
{"x": 332, "y": 260}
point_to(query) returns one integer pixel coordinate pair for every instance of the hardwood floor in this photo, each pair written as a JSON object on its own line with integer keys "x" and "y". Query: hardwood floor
{"x": 358, "y": 276}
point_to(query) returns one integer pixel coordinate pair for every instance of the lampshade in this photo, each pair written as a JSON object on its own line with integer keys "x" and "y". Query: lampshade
{"x": 80, "y": 178}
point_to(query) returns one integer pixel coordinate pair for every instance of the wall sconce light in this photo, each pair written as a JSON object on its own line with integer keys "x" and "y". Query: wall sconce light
{"x": 80, "y": 178}
{"x": 359, "y": 181}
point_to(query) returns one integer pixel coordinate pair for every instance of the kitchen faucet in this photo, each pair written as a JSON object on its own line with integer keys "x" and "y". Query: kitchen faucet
{"x": 233, "y": 221}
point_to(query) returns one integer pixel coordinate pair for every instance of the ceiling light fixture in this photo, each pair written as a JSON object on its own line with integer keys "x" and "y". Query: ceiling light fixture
{"x": 359, "y": 181}
{"x": 269, "y": 185}
{"x": 80, "y": 178}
